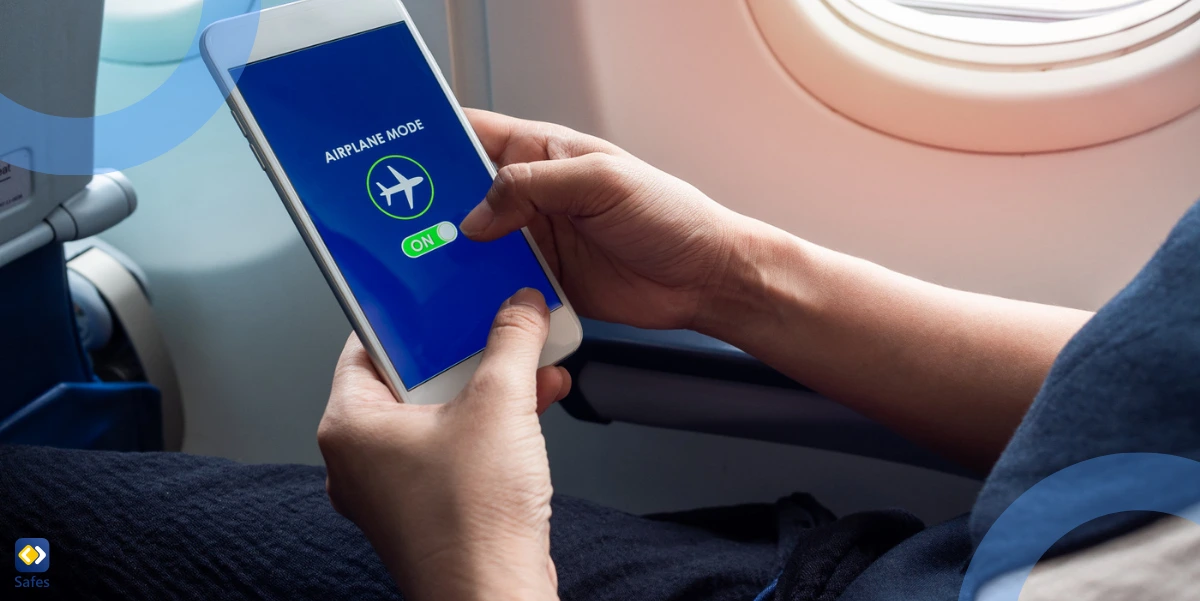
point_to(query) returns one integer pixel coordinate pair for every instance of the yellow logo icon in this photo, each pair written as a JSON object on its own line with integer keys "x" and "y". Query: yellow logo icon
{"x": 32, "y": 555}
{"x": 28, "y": 555}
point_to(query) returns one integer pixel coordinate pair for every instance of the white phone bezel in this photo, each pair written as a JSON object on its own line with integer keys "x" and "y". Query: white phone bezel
{"x": 292, "y": 27}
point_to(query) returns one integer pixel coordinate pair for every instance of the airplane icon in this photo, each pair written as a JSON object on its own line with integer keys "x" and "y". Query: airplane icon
{"x": 403, "y": 184}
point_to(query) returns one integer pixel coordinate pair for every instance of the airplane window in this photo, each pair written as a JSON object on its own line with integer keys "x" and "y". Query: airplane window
{"x": 158, "y": 31}
{"x": 1012, "y": 23}
{"x": 142, "y": 42}
{"x": 1014, "y": 10}
{"x": 1001, "y": 76}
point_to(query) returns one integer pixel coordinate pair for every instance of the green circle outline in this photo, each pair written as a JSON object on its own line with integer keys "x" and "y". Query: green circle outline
{"x": 371, "y": 194}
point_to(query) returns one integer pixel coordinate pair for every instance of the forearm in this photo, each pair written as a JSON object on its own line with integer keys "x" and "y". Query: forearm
{"x": 953, "y": 370}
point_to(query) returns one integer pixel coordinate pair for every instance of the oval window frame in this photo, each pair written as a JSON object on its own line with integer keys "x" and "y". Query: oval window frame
{"x": 970, "y": 96}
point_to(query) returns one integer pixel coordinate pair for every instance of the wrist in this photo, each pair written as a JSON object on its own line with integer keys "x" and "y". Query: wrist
{"x": 493, "y": 572}
{"x": 767, "y": 283}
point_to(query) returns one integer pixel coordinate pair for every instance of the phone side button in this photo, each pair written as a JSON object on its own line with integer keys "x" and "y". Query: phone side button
{"x": 238, "y": 121}
{"x": 262, "y": 164}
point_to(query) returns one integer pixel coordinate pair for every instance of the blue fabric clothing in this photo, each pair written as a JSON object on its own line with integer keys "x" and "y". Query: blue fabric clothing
{"x": 1128, "y": 382}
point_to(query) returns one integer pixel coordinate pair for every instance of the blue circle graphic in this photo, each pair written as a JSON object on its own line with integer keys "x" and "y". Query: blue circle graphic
{"x": 135, "y": 134}
{"x": 1070, "y": 498}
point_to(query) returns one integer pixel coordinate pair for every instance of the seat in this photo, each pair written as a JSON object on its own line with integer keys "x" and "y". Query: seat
{"x": 687, "y": 381}
{"x": 69, "y": 350}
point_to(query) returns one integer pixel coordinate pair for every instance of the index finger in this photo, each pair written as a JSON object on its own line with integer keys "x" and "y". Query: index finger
{"x": 493, "y": 130}
{"x": 510, "y": 140}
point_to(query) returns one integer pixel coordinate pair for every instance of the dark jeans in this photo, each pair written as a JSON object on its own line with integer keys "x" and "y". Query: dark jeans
{"x": 175, "y": 526}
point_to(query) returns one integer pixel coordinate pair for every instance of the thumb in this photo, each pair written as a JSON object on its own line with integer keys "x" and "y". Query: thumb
{"x": 506, "y": 378}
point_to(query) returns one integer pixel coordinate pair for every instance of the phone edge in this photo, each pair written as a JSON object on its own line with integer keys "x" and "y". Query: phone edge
{"x": 342, "y": 293}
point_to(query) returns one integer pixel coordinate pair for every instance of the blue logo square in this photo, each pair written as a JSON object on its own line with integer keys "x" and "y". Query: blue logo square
{"x": 32, "y": 555}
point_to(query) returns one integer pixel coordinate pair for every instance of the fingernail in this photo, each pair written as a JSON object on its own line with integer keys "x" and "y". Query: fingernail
{"x": 529, "y": 297}
{"x": 478, "y": 220}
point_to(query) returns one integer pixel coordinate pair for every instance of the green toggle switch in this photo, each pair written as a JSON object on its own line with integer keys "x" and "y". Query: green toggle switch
{"x": 430, "y": 238}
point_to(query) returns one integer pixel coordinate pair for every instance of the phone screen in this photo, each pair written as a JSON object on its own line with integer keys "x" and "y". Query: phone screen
{"x": 383, "y": 166}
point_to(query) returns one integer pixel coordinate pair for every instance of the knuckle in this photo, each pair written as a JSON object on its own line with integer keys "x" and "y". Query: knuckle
{"x": 609, "y": 169}
{"x": 519, "y": 320}
{"x": 343, "y": 373}
{"x": 560, "y": 143}
{"x": 329, "y": 432}
{"x": 510, "y": 180}
{"x": 612, "y": 181}
{"x": 339, "y": 430}
{"x": 488, "y": 381}
{"x": 563, "y": 142}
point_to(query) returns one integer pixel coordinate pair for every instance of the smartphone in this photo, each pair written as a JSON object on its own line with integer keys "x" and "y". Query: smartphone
{"x": 350, "y": 117}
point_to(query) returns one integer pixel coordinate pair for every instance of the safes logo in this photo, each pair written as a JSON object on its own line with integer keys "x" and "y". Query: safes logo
{"x": 32, "y": 555}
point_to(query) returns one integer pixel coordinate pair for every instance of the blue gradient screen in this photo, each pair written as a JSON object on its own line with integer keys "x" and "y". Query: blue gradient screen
{"x": 385, "y": 170}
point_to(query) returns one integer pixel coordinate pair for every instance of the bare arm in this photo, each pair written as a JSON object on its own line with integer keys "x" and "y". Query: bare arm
{"x": 953, "y": 370}
{"x": 631, "y": 244}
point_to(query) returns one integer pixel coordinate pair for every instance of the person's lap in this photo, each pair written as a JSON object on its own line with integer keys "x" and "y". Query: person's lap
{"x": 177, "y": 526}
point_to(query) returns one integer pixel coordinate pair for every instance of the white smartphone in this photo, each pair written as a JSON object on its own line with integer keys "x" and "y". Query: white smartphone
{"x": 354, "y": 123}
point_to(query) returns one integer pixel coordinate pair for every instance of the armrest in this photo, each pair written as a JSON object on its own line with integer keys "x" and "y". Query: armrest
{"x": 687, "y": 381}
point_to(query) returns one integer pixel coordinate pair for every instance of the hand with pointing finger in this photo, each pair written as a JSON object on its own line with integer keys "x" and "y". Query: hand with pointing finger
{"x": 628, "y": 242}
{"x": 455, "y": 498}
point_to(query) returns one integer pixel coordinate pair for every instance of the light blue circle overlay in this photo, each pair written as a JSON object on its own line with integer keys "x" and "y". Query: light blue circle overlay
{"x": 135, "y": 134}
{"x": 1070, "y": 498}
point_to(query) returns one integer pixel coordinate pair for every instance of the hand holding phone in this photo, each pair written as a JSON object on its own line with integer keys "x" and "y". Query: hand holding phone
{"x": 455, "y": 499}
{"x": 374, "y": 159}
{"x": 630, "y": 243}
